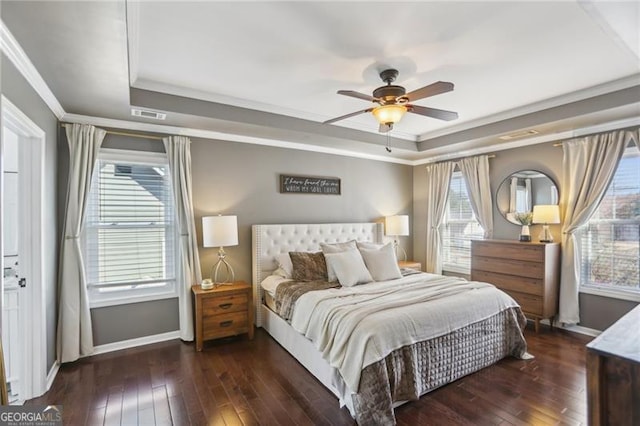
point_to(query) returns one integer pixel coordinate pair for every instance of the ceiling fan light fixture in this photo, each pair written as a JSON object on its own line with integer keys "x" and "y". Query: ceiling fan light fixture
{"x": 386, "y": 114}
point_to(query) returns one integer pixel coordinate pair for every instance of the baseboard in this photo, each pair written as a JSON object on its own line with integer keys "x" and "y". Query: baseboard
{"x": 575, "y": 328}
{"x": 132, "y": 343}
{"x": 580, "y": 329}
{"x": 52, "y": 375}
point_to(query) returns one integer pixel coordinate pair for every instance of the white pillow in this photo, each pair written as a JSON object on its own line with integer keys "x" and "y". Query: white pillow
{"x": 367, "y": 245}
{"x": 336, "y": 248}
{"x": 285, "y": 267}
{"x": 382, "y": 262}
{"x": 349, "y": 267}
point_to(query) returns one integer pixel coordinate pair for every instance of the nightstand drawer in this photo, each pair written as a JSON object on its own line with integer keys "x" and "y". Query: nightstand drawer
{"x": 225, "y": 325}
{"x": 224, "y": 304}
{"x": 224, "y": 311}
{"x": 505, "y": 282}
{"x": 530, "y": 304}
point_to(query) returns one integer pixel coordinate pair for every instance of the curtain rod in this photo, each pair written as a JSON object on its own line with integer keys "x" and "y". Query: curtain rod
{"x": 490, "y": 156}
{"x": 133, "y": 135}
{"x": 557, "y": 144}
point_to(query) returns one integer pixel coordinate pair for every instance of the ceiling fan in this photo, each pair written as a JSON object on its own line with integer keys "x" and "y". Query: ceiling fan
{"x": 393, "y": 101}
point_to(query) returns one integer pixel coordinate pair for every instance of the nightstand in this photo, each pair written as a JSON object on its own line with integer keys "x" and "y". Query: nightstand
{"x": 223, "y": 311}
{"x": 410, "y": 264}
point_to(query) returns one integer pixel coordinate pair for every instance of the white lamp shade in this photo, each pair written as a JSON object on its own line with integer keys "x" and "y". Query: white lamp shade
{"x": 396, "y": 225}
{"x": 219, "y": 231}
{"x": 546, "y": 214}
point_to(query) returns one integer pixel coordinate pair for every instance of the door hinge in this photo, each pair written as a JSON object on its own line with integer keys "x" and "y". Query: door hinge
{"x": 22, "y": 282}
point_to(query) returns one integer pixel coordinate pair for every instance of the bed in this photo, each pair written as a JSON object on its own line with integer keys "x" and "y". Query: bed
{"x": 450, "y": 331}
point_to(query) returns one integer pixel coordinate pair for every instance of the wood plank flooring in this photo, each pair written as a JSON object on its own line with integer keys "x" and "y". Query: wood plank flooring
{"x": 240, "y": 382}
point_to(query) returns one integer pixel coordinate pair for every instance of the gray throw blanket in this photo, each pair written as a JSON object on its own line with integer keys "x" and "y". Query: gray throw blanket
{"x": 288, "y": 292}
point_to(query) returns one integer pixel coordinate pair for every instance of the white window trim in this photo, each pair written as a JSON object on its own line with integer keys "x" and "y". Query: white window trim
{"x": 146, "y": 158}
{"x": 613, "y": 293}
{"x": 450, "y": 267}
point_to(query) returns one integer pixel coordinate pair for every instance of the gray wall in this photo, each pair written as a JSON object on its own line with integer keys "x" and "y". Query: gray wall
{"x": 243, "y": 180}
{"x": 596, "y": 312}
{"x": 20, "y": 93}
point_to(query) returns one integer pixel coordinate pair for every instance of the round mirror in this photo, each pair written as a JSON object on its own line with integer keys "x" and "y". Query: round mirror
{"x": 522, "y": 190}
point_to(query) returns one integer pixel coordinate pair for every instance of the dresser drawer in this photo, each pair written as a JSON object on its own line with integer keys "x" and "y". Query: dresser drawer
{"x": 508, "y": 266}
{"x": 529, "y": 303}
{"x": 516, "y": 251}
{"x": 224, "y": 304}
{"x": 526, "y": 285}
{"x": 227, "y": 324}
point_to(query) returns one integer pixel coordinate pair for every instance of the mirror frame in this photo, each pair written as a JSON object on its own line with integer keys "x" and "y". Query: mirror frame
{"x": 508, "y": 178}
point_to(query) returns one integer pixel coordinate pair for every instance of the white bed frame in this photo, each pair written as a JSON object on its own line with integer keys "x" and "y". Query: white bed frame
{"x": 271, "y": 240}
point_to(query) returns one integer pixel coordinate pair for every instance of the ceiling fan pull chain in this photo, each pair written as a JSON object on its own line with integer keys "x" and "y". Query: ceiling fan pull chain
{"x": 388, "y": 147}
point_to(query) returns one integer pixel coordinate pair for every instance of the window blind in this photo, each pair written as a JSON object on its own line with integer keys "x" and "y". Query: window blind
{"x": 460, "y": 227}
{"x": 129, "y": 229}
{"x": 610, "y": 242}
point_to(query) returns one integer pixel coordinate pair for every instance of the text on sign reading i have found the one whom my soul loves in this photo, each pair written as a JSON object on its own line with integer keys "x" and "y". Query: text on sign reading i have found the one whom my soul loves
{"x": 310, "y": 185}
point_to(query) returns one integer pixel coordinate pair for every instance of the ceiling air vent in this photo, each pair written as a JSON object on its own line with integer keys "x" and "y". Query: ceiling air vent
{"x": 145, "y": 113}
{"x": 519, "y": 135}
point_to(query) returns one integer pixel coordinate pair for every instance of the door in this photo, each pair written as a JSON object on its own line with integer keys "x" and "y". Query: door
{"x": 22, "y": 323}
{"x": 13, "y": 298}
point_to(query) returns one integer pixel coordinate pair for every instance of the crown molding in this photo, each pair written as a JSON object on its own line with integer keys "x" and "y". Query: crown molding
{"x": 569, "y": 134}
{"x": 154, "y": 86}
{"x": 601, "y": 89}
{"x": 10, "y": 47}
{"x": 210, "y": 134}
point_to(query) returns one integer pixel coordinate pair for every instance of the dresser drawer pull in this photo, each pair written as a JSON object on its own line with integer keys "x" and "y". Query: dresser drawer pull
{"x": 225, "y": 305}
{"x": 226, "y": 323}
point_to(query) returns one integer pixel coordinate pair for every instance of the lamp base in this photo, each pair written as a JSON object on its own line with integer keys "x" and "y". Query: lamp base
{"x": 396, "y": 246}
{"x": 545, "y": 235}
{"x": 229, "y": 276}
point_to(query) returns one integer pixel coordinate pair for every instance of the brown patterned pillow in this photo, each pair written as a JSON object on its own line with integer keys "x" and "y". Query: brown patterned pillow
{"x": 308, "y": 266}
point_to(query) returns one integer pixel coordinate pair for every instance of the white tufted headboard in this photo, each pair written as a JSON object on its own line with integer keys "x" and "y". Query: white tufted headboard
{"x": 271, "y": 240}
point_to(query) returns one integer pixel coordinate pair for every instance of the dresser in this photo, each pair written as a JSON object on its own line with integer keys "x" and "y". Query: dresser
{"x": 613, "y": 374}
{"x": 528, "y": 272}
{"x": 223, "y": 311}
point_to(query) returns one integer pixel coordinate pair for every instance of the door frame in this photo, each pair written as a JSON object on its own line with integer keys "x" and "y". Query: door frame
{"x": 33, "y": 374}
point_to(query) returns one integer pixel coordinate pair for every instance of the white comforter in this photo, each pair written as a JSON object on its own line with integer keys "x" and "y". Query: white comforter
{"x": 357, "y": 326}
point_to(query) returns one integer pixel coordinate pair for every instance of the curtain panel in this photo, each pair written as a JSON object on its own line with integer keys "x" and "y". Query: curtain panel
{"x": 74, "y": 333}
{"x": 589, "y": 164}
{"x": 476, "y": 177}
{"x": 178, "y": 149}
{"x": 438, "y": 181}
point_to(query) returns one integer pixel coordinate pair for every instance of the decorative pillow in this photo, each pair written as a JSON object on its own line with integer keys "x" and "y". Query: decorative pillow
{"x": 336, "y": 248}
{"x": 285, "y": 267}
{"x": 349, "y": 267}
{"x": 308, "y": 266}
{"x": 367, "y": 245}
{"x": 382, "y": 262}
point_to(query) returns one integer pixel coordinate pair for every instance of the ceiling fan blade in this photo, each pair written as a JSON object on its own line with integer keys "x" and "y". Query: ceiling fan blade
{"x": 342, "y": 117}
{"x": 358, "y": 95}
{"x": 384, "y": 128}
{"x": 430, "y": 90}
{"x": 440, "y": 114}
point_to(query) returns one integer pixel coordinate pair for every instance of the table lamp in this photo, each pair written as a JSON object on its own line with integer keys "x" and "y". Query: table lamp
{"x": 220, "y": 231}
{"x": 546, "y": 214}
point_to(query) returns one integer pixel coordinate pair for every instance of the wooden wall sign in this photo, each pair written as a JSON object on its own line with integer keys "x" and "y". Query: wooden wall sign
{"x": 309, "y": 185}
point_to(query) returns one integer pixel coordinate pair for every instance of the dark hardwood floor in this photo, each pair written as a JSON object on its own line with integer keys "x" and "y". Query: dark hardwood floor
{"x": 240, "y": 382}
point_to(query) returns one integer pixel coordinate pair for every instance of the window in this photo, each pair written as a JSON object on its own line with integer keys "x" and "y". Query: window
{"x": 130, "y": 233}
{"x": 459, "y": 228}
{"x": 610, "y": 242}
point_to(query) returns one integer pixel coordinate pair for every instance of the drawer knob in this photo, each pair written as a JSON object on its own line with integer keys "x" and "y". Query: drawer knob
{"x": 225, "y": 305}
{"x": 226, "y": 323}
